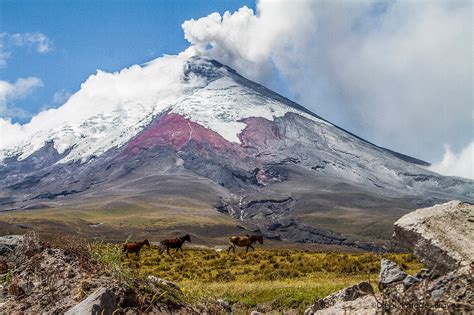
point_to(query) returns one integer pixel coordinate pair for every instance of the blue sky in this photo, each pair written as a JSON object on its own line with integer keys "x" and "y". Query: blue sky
{"x": 86, "y": 36}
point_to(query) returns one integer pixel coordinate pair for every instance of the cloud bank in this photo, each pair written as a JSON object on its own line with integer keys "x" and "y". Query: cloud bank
{"x": 108, "y": 109}
{"x": 396, "y": 73}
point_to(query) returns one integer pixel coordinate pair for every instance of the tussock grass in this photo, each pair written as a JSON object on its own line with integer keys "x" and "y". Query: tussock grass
{"x": 267, "y": 279}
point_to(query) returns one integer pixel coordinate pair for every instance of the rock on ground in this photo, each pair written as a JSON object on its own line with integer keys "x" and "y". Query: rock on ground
{"x": 390, "y": 273}
{"x": 102, "y": 301}
{"x": 365, "y": 305}
{"x": 11, "y": 240}
{"x": 341, "y": 297}
{"x": 8, "y": 243}
{"x": 440, "y": 236}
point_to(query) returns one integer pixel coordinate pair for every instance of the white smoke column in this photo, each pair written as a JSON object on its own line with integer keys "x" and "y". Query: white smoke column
{"x": 250, "y": 42}
{"x": 397, "y": 73}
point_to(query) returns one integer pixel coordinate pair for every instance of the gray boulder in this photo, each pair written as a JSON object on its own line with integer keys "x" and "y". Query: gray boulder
{"x": 348, "y": 294}
{"x": 102, "y": 301}
{"x": 8, "y": 243}
{"x": 440, "y": 236}
{"x": 11, "y": 240}
{"x": 390, "y": 273}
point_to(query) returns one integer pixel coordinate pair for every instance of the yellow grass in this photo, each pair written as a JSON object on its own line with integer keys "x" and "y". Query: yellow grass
{"x": 267, "y": 279}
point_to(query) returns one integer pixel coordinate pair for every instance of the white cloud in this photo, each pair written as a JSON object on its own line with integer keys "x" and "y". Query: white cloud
{"x": 460, "y": 164}
{"x": 10, "y": 92}
{"x": 37, "y": 41}
{"x": 108, "y": 109}
{"x": 397, "y": 73}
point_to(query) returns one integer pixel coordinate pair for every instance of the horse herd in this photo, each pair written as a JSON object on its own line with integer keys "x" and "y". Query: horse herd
{"x": 177, "y": 243}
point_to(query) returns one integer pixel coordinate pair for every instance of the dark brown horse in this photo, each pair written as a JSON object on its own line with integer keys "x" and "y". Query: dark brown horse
{"x": 242, "y": 241}
{"x": 134, "y": 247}
{"x": 175, "y": 243}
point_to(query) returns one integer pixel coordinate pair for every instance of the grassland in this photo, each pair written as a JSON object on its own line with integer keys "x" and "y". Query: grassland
{"x": 118, "y": 221}
{"x": 136, "y": 215}
{"x": 267, "y": 279}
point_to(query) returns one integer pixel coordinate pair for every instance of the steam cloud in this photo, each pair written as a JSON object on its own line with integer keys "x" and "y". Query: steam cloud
{"x": 397, "y": 73}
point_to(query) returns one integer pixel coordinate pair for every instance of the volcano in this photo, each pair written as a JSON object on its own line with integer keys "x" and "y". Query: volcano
{"x": 183, "y": 131}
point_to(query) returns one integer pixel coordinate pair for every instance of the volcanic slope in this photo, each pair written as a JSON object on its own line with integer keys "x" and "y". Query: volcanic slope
{"x": 195, "y": 131}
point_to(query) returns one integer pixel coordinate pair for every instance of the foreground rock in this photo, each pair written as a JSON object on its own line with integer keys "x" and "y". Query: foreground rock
{"x": 8, "y": 243}
{"x": 441, "y": 237}
{"x": 43, "y": 279}
{"x": 365, "y": 305}
{"x": 338, "y": 300}
{"x": 390, "y": 273}
{"x": 428, "y": 293}
{"x": 102, "y": 301}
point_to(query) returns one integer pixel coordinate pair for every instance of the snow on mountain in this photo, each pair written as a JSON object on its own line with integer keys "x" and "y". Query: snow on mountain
{"x": 106, "y": 112}
{"x": 183, "y": 124}
{"x": 111, "y": 108}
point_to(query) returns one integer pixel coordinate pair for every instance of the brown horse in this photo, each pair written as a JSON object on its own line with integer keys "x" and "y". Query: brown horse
{"x": 175, "y": 243}
{"x": 134, "y": 247}
{"x": 242, "y": 241}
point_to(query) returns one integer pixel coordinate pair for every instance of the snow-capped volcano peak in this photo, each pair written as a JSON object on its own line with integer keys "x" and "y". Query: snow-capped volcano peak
{"x": 181, "y": 118}
{"x": 111, "y": 108}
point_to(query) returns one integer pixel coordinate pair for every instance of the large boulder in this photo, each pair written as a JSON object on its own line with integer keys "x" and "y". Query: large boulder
{"x": 341, "y": 297}
{"x": 440, "y": 236}
{"x": 102, "y": 301}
